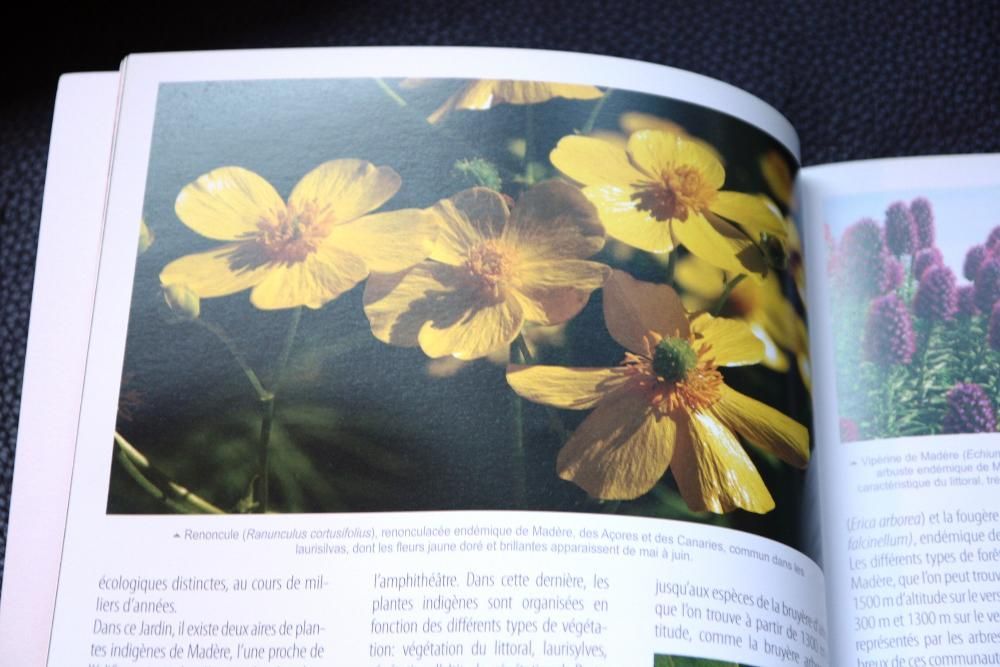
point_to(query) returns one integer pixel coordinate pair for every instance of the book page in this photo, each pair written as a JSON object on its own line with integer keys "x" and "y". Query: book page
{"x": 420, "y": 356}
{"x": 904, "y": 288}
{"x": 61, "y": 308}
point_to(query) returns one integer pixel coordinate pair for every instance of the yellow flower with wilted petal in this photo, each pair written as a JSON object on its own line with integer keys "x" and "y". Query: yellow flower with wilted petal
{"x": 305, "y": 252}
{"x": 663, "y": 189}
{"x": 763, "y": 305}
{"x": 482, "y": 94}
{"x": 665, "y": 406}
{"x": 491, "y": 271}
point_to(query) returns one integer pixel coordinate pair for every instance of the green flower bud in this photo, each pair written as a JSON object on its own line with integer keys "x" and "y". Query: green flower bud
{"x": 182, "y": 302}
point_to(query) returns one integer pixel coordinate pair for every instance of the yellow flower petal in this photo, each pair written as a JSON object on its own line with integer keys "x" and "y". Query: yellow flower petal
{"x": 398, "y": 305}
{"x": 486, "y": 93}
{"x": 473, "y": 333}
{"x": 713, "y": 472}
{"x": 146, "y": 237}
{"x": 345, "y": 189}
{"x": 591, "y": 161}
{"x": 733, "y": 342}
{"x": 388, "y": 242}
{"x": 719, "y": 243}
{"x": 778, "y": 175}
{"x": 699, "y": 278}
{"x": 554, "y": 292}
{"x": 218, "y": 272}
{"x": 321, "y": 277}
{"x": 554, "y": 220}
{"x": 774, "y": 358}
{"x": 633, "y": 309}
{"x": 766, "y": 427}
{"x": 620, "y": 450}
{"x": 657, "y": 152}
{"x": 750, "y": 212}
{"x": 623, "y": 221}
{"x": 634, "y": 121}
{"x": 569, "y": 388}
{"x": 533, "y": 92}
{"x": 466, "y": 219}
{"x": 226, "y": 204}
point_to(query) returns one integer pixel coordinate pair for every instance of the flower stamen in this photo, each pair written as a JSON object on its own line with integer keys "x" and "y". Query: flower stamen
{"x": 490, "y": 267}
{"x": 678, "y": 192}
{"x": 291, "y": 236}
{"x": 677, "y": 375}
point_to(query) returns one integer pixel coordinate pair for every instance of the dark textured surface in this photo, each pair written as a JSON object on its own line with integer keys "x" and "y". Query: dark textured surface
{"x": 856, "y": 79}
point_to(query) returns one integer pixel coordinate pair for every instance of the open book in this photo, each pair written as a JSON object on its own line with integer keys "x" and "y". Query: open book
{"x": 485, "y": 357}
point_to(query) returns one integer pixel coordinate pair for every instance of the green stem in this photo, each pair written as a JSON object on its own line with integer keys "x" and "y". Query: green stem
{"x": 267, "y": 412}
{"x": 264, "y": 452}
{"x": 529, "y": 142}
{"x": 158, "y": 484}
{"x": 595, "y": 112}
{"x": 518, "y": 351}
{"x": 726, "y": 291}
{"x": 924, "y": 333}
{"x": 220, "y": 333}
{"x": 393, "y": 95}
{"x": 521, "y": 347}
{"x": 555, "y": 423}
{"x": 286, "y": 350}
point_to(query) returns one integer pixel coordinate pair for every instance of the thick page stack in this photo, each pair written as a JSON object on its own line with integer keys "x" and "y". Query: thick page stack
{"x": 480, "y": 357}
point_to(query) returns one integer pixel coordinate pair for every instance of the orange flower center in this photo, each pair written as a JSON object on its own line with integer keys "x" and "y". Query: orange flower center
{"x": 679, "y": 192}
{"x": 291, "y": 237}
{"x": 490, "y": 267}
{"x": 676, "y": 375}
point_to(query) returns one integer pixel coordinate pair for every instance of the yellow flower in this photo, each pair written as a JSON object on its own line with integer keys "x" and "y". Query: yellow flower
{"x": 146, "y": 236}
{"x": 661, "y": 190}
{"x": 778, "y": 175}
{"x": 665, "y": 406}
{"x": 482, "y": 94}
{"x": 763, "y": 305}
{"x": 491, "y": 271}
{"x": 303, "y": 253}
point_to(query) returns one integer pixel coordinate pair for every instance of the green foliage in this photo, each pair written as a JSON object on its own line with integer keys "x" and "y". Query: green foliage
{"x": 682, "y": 661}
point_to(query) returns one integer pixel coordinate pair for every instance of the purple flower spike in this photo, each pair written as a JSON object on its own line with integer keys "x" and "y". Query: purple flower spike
{"x": 893, "y": 274}
{"x": 936, "y": 299}
{"x": 994, "y": 331}
{"x": 889, "y": 332}
{"x": 973, "y": 260}
{"x": 925, "y": 259}
{"x": 993, "y": 241}
{"x": 923, "y": 218}
{"x": 966, "y": 301}
{"x": 861, "y": 257}
{"x": 988, "y": 284}
{"x": 969, "y": 410}
{"x": 900, "y": 230}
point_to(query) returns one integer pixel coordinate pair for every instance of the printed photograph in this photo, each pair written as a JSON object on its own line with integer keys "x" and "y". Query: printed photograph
{"x": 366, "y": 295}
{"x": 915, "y": 280}
{"x": 682, "y": 661}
